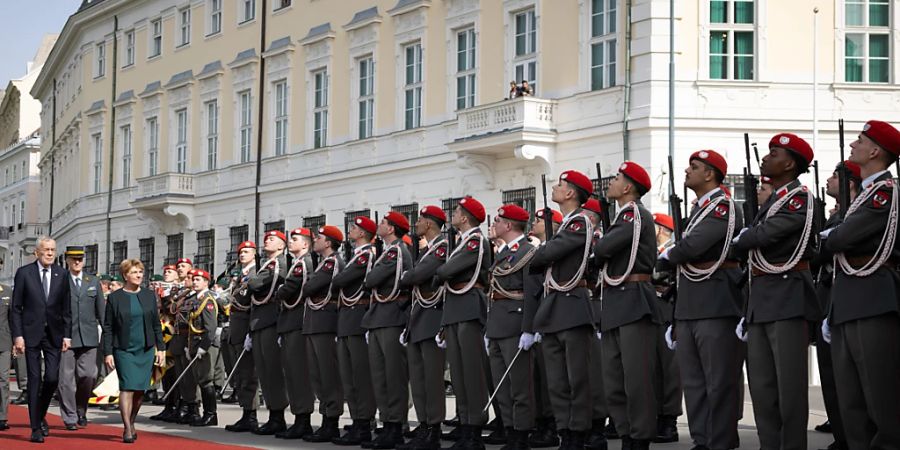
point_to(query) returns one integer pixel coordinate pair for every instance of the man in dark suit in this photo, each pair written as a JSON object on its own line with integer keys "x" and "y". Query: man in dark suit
{"x": 41, "y": 324}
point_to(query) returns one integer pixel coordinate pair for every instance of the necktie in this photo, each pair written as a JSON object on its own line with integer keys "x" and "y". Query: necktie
{"x": 78, "y": 283}
{"x": 46, "y": 281}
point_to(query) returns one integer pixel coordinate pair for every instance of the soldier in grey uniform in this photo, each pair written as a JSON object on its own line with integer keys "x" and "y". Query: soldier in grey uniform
{"x": 180, "y": 309}
{"x": 264, "y": 332}
{"x": 167, "y": 290}
{"x": 782, "y": 299}
{"x": 863, "y": 323}
{"x": 202, "y": 324}
{"x": 353, "y": 353}
{"x": 630, "y": 317}
{"x": 710, "y": 302}
{"x": 290, "y": 334}
{"x": 464, "y": 277}
{"x": 246, "y": 384}
{"x": 78, "y": 366}
{"x": 385, "y": 321}
{"x": 563, "y": 315}
{"x": 320, "y": 323}
{"x": 509, "y": 331}
{"x": 425, "y": 358}
{"x": 225, "y": 361}
{"x": 597, "y": 439}
{"x": 5, "y": 354}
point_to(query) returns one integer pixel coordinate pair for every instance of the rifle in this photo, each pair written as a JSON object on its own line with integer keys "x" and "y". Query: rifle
{"x": 415, "y": 244}
{"x": 548, "y": 214}
{"x": 604, "y": 204}
{"x": 378, "y": 243}
{"x": 751, "y": 205}
{"x": 674, "y": 202}
{"x": 843, "y": 178}
{"x": 819, "y": 209}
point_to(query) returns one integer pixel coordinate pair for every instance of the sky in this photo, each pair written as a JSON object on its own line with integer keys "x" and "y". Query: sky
{"x": 22, "y": 25}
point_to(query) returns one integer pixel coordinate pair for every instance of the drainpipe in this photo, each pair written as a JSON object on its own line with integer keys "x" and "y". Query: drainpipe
{"x": 112, "y": 139}
{"x": 52, "y": 158}
{"x": 260, "y": 114}
{"x": 626, "y": 114}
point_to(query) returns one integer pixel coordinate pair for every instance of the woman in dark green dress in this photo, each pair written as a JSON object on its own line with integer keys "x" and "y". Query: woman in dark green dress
{"x": 132, "y": 341}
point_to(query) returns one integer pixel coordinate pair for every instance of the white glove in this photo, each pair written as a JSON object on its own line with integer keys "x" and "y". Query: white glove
{"x": 538, "y": 337}
{"x": 526, "y": 340}
{"x": 826, "y": 331}
{"x": 367, "y": 337}
{"x": 487, "y": 345}
{"x": 248, "y": 343}
{"x": 278, "y": 341}
{"x": 404, "y": 339}
{"x": 200, "y": 352}
{"x": 824, "y": 233}
{"x": 441, "y": 343}
{"x": 741, "y": 331}
{"x": 671, "y": 343}
{"x": 665, "y": 254}
{"x": 599, "y": 335}
{"x": 218, "y": 334}
{"x": 187, "y": 351}
{"x": 738, "y": 237}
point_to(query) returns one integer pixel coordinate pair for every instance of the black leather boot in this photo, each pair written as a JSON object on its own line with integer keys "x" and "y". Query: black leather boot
{"x": 389, "y": 438}
{"x": 178, "y": 409}
{"x": 192, "y": 414}
{"x": 610, "y": 431}
{"x": 210, "y": 417}
{"x": 247, "y": 422}
{"x": 275, "y": 424}
{"x": 168, "y": 412}
{"x": 463, "y": 436}
{"x": 497, "y": 437}
{"x": 596, "y": 440}
{"x": 640, "y": 444}
{"x": 544, "y": 435}
{"x": 475, "y": 441}
{"x": 358, "y": 433}
{"x": 576, "y": 439}
{"x": 300, "y": 428}
{"x": 666, "y": 429}
{"x": 328, "y": 431}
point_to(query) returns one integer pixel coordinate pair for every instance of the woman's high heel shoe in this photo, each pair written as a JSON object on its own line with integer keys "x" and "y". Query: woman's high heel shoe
{"x": 127, "y": 438}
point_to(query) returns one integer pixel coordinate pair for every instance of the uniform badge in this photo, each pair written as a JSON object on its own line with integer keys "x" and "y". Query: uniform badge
{"x": 472, "y": 244}
{"x": 362, "y": 259}
{"x": 575, "y": 226}
{"x": 879, "y": 199}
{"x": 298, "y": 270}
{"x": 514, "y": 247}
{"x": 329, "y": 265}
{"x": 628, "y": 216}
{"x": 795, "y": 203}
{"x": 721, "y": 211}
{"x": 784, "y": 140}
{"x": 392, "y": 254}
{"x": 210, "y": 306}
{"x": 440, "y": 252}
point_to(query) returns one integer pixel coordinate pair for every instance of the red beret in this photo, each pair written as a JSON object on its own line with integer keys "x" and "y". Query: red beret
{"x": 406, "y": 239}
{"x": 664, "y": 220}
{"x": 301, "y": 231}
{"x": 245, "y": 244}
{"x": 712, "y": 158}
{"x": 852, "y": 167}
{"x": 168, "y": 267}
{"x": 434, "y": 212}
{"x": 578, "y": 179}
{"x": 593, "y": 205}
{"x": 513, "y": 212}
{"x": 184, "y": 261}
{"x": 884, "y": 134}
{"x": 277, "y": 234}
{"x": 636, "y": 173}
{"x": 557, "y": 216}
{"x": 398, "y": 220}
{"x": 331, "y": 232}
{"x": 474, "y": 207}
{"x": 201, "y": 273}
{"x": 764, "y": 180}
{"x": 366, "y": 224}
{"x": 793, "y": 143}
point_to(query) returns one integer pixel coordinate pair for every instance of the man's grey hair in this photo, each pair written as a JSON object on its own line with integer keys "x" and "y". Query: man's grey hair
{"x": 41, "y": 240}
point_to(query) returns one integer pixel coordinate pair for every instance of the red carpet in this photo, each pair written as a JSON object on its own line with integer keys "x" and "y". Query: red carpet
{"x": 94, "y": 437}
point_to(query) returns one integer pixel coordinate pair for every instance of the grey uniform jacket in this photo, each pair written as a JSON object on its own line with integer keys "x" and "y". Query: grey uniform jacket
{"x": 459, "y": 269}
{"x": 88, "y": 308}
{"x": 506, "y": 317}
{"x": 240, "y": 313}
{"x": 792, "y": 294}
{"x": 260, "y": 284}
{"x": 630, "y": 301}
{"x": 5, "y": 303}
{"x": 349, "y": 282}
{"x": 859, "y": 235}
{"x": 424, "y": 323}
{"x": 382, "y": 279}
{"x": 822, "y": 267}
{"x": 318, "y": 286}
{"x": 720, "y": 295}
{"x": 291, "y": 319}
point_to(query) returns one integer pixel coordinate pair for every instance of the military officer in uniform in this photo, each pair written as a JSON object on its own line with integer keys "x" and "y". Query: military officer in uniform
{"x": 782, "y": 298}
{"x": 168, "y": 289}
{"x": 179, "y": 307}
{"x": 353, "y": 353}
{"x": 464, "y": 276}
{"x": 709, "y": 306}
{"x": 863, "y": 323}
{"x": 246, "y": 384}
{"x": 264, "y": 332}
{"x": 597, "y": 440}
{"x": 202, "y": 324}
{"x": 425, "y": 358}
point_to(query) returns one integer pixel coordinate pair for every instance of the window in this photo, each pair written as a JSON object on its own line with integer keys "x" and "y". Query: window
{"x": 348, "y": 220}
{"x": 465, "y": 69}
{"x": 25, "y": 173}
{"x": 101, "y": 60}
{"x": 409, "y": 210}
{"x": 731, "y": 40}
{"x": 450, "y": 204}
{"x": 867, "y": 42}
{"x": 152, "y": 146}
{"x": 175, "y": 246}
{"x": 129, "y": 48}
{"x": 314, "y": 222}
{"x": 97, "y": 141}
{"x": 246, "y": 127}
{"x": 184, "y": 17}
{"x": 126, "y": 155}
{"x": 237, "y": 235}
{"x": 148, "y": 254}
{"x": 366, "y": 96}
{"x": 281, "y": 117}
{"x": 155, "y": 38}
{"x": 320, "y": 109}
{"x": 276, "y": 225}
{"x": 215, "y": 16}
{"x": 413, "y": 85}
{"x": 522, "y": 197}
{"x": 248, "y": 10}
{"x": 22, "y": 211}
{"x": 603, "y": 44}
{"x": 90, "y": 258}
{"x": 206, "y": 250}
{"x": 280, "y": 4}
{"x": 212, "y": 134}
{"x": 526, "y": 48}
{"x": 181, "y": 120}
{"x": 120, "y": 253}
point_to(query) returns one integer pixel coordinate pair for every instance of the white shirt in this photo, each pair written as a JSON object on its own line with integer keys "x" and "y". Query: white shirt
{"x": 77, "y": 279}
{"x": 871, "y": 179}
{"x": 702, "y": 200}
{"x": 510, "y": 244}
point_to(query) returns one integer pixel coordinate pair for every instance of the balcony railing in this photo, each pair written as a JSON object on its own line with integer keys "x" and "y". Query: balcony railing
{"x": 177, "y": 184}
{"x": 519, "y": 114}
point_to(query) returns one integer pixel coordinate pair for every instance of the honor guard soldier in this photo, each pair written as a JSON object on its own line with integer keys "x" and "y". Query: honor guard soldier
{"x": 353, "y": 353}
{"x": 509, "y": 330}
{"x": 183, "y": 266}
{"x": 246, "y": 384}
{"x": 320, "y": 322}
{"x": 863, "y": 321}
{"x": 385, "y": 321}
{"x": 180, "y": 307}
{"x": 290, "y": 334}
{"x": 709, "y": 306}
{"x": 264, "y": 331}
{"x": 626, "y": 255}
{"x": 464, "y": 276}
{"x": 782, "y": 298}
{"x": 223, "y": 302}
{"x": 202, "y": 323}
{"x": 425, "y": 358}
{"x": 169, "y": 288}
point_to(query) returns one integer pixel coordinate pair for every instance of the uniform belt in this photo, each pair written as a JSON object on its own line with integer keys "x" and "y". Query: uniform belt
{"x": 581, "y": 284}
{"x": 802, "y": 265}
{"x": 400, "y": 298}
{"x": 319, "y": 300}
{"x": 633, "y": 278}
{"x": 458, "y": 286}
{"x": 725, "y": 265}
{"x": 858, "y": 261}
{"x": 365, "y": 300}
{"x": 497, "y": 295}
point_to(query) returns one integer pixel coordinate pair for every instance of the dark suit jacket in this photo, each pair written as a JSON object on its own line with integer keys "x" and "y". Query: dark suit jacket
{"x": 117, "y": 322}
{"x": 33, "y": 312}
{"x": 87, "y": 311}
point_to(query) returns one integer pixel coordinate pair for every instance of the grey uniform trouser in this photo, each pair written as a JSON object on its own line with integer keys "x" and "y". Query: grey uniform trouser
{"x": 600, "y": 411}
{"x": 219, "y": 371}
{"x": 629, "y": 362}
{"x": 467, "y": 370}
{"x": 321, "y": 352}
{"x": 244, "y": 379}
{"x": 296, "y": 372}
{"x": 188, "y": 384}
{"x": 204, "y": 368}
{"x": 77, "y": 376}
{"x": 228, "y": 355}
{"x": 516, "y": 394}
{"x": 567, "y": 354}
{"x": 356, "y": 376}
{"x": 390, "y": 373}
{"x": 777, "y": 370}
{"x": 267, "y": 359}
{"x": 543, "y": 409}
{"x": 426, "y": 379}
{"x": 5, "y": 360}
{"x": 668, "y": 378}
{"x": 829, "y": 388}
